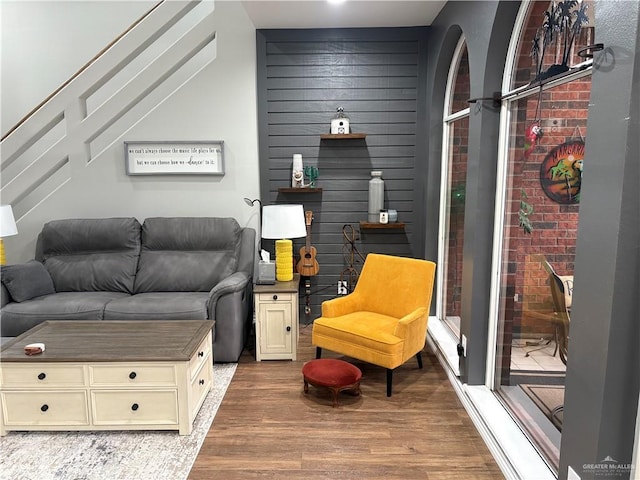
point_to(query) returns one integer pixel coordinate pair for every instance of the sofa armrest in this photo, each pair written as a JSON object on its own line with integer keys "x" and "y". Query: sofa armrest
{"x": 236, "y": 282}
{"x": 229, "y": 305}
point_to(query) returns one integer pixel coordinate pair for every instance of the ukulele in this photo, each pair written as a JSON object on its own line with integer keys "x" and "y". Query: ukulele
{"x": 308, "y": 265}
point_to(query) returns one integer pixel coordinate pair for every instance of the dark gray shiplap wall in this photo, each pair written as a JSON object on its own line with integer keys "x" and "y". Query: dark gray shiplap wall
{"x": 377, "y": 75}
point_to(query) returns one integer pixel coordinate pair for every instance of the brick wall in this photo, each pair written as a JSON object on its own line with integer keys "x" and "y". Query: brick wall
{"x": 457, "y": 177}
{"x": 562, "y": 113}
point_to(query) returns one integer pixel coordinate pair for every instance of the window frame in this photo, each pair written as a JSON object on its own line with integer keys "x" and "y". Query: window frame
{"x": 448, "y": 119}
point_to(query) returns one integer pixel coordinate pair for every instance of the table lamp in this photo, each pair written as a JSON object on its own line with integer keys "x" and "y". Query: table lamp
{"x": 7, "y": 228}
{"x": 282, "y": 223}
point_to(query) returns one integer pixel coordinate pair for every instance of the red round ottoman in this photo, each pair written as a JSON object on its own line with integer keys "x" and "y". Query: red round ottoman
{"x": 336, "y": 375}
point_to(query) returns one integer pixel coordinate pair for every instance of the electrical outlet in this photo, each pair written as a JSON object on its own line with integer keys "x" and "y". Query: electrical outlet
{"x": 342, "y": 287}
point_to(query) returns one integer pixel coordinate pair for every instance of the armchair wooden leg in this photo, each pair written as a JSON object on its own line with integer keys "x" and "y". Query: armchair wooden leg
{"x": 419, "y": 357}
{"x": 318, "y": 352}
{"x": 389, "y": 381}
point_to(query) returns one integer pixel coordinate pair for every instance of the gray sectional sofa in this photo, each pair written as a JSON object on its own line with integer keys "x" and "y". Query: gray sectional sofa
{"x": 182, "y": 268}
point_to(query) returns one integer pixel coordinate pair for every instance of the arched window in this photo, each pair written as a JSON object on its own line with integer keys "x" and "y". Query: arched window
{"x": 546, "y": 90}
{"x": 452, "y": 194}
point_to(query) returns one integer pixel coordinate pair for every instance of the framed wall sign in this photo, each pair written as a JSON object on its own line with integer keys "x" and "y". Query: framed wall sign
{"x": 561, "y": 172}
{"x": 174, "y": 158}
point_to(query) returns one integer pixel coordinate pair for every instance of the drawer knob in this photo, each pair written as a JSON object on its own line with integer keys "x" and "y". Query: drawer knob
{"x": 44, "y": 407}
{"x": 201, "y": 354}
{"x": 135, "y": 407}
{"x": 288, "y": 329}
{"x": 42, "y": 376}
{"x": 275, "y": 297}
{"x": 201, "y": 382}
{"x": 132, "y": 375}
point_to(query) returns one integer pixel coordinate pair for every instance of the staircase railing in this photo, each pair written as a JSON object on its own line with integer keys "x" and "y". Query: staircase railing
{"x": 101, "y": 102}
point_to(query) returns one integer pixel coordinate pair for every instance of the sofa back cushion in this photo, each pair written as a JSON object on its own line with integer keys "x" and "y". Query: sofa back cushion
{"x": 187, "y": 254}
{"x": 96, "y": 255}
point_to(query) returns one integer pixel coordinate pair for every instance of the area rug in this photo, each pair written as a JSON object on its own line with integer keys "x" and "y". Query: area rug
{"x": 549, "y": 399}
{"x": 111, "y": 455}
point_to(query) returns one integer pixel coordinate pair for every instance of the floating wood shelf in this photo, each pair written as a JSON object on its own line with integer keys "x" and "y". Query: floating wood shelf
{"x": 342, "y": 136}
{"x": 382, "y": 226}
{"x": 299, "y": 190}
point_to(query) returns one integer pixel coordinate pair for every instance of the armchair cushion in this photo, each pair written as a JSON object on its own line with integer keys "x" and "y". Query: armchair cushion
{"x": 367, "y": 336}
{"x": 27, "y": 280}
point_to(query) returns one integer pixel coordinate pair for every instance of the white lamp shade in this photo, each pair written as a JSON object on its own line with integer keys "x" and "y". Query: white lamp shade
{"x": 283, "y": 221}
{"x": 7, "y": 222}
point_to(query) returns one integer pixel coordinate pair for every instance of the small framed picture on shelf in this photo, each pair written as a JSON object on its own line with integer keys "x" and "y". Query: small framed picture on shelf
{"x": 174, "y": 158}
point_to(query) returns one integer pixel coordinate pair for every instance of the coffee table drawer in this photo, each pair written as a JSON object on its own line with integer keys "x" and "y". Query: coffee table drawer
{"x": 135, "y": 407}
{"x": 45, "y": 408}
{"x": 203, "y": 353}
{"x": 42, "y": 375}
{"x": 200, "y": 385}
{"x": 133, "y": 374}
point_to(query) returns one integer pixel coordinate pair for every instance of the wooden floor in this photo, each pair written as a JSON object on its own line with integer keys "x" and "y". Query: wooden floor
{"x": 268, "y": 428}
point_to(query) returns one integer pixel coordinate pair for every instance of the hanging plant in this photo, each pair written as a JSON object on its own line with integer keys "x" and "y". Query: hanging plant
{"x": 525, "y": 210}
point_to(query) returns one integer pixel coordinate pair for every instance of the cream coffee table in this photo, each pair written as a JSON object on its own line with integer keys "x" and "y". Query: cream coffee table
{"x": 107, "y": 375}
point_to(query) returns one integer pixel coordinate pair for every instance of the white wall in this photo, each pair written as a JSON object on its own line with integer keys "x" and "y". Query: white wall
{"x": 43, "y": 43}
{"x": 219, "y": 103}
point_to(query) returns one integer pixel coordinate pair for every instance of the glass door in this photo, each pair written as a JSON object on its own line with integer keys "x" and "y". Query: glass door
{"x": 542, "y": 159}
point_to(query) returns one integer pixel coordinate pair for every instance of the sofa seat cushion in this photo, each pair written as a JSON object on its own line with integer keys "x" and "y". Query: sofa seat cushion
{"x": 20, "y": 317}
{"x": 159, "y": 306}
{"x": 367, "y": 336}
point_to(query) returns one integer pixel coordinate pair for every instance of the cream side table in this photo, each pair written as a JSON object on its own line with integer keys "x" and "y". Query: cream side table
{"x": 276, "y": 309}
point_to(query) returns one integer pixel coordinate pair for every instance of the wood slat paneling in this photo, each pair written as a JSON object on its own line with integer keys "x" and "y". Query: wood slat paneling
{"x": 345, "y": 46}
{"x": 342, "y": 71}
{"x": 341, "y": 82}
{"x": 343, "y": 59}
{"x": 372, "y": 129}
{"x": 323, "y": 119}
{"x": 303, "y": 75}
{"x": 355, "y": 105}
{"x": 308, "y": 94}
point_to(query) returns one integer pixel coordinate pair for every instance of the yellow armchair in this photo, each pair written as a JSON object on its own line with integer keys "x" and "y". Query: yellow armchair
{"x": 384, "y": 320}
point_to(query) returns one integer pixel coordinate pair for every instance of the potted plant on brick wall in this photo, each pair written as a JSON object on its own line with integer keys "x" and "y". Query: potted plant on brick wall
{"x": 525, "y": 210}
